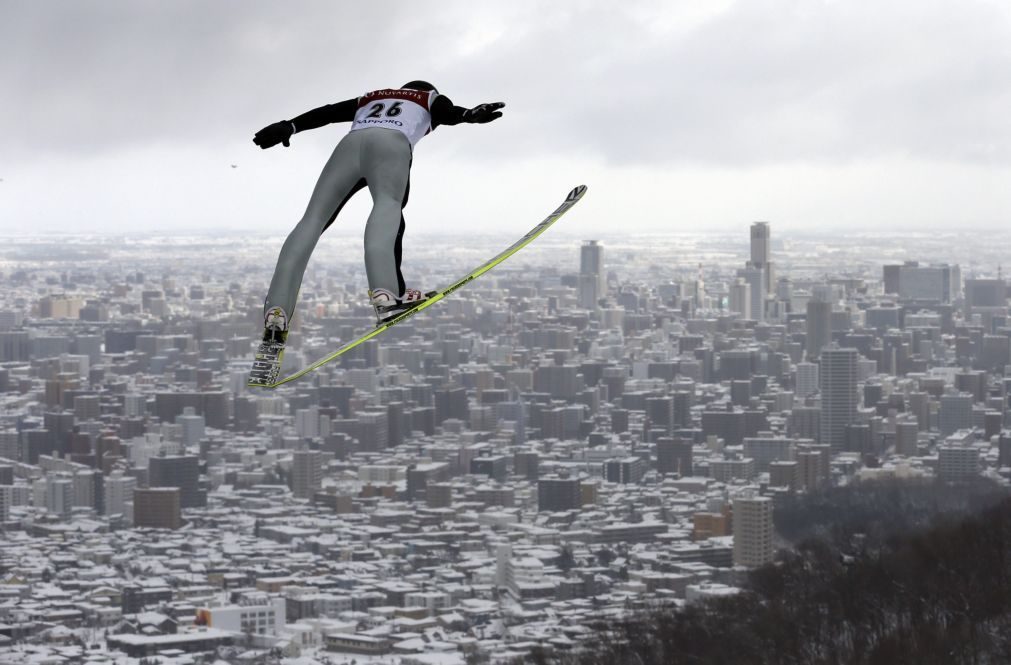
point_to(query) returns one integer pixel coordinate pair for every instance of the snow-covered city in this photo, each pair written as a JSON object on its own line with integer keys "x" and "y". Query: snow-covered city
{"x": 597, "y": 427}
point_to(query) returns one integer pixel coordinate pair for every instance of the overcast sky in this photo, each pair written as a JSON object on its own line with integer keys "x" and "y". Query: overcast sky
{"x": 680, "y": 116}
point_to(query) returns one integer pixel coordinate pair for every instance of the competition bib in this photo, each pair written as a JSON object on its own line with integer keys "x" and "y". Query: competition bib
{"x": 406, "y": 111}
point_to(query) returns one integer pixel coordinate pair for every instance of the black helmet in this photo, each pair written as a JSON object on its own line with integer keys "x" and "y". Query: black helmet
{"x": 424, "y": 86}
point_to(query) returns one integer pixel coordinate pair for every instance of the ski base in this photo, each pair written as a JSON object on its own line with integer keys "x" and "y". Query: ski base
{"x": 266, "y": 365}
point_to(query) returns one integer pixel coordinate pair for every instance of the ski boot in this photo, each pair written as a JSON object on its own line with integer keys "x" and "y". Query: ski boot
{"x": 388, "y": 307}
{"x": 267, "y": 361}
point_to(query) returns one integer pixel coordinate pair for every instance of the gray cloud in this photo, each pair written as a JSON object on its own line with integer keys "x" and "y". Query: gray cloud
{"x": 764, "y": 81}
{"x": 92, "y": 76}
{"x": 771, "y": 81}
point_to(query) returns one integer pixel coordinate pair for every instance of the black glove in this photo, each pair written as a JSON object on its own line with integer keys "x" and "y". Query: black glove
{"x": 271, "y": 135}
{"x": 483, "y": 113}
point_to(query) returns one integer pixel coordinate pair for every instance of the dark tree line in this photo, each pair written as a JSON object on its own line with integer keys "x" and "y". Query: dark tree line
{"x": 880, "y": 509}
{"x": 937, "y": 595}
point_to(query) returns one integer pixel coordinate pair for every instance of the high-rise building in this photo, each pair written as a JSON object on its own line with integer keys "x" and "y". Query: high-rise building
{"x": 119, "y": 494}
{"x": 995, "y": 355}
{"x": 10, "y": 319}
{"x": 134, "y": 405}
{"x": 591, "y": 275}
{"x": 809, "y": 469}
{"x": 562, "y": 422}
{"x": 727, "y": 425}
{"x": 755, "y": 278}
{"x": 985, "y": 295}
{"x": 766, "y": 448}
{"x": 752, "y": 531}
{"x": 906, "y": 437}
{"x": 957, "y": 462}
{"x": 890, "y": 276}
{"x": 211, "y": 404}
{"x": 10, "y": 444}
{"x": 306, "y": 473}
{"x": 307, "y": 423}
{"x": 955, "y": 413}
{"x": 760, "y": 250}
{"x": 560, "y": 381}
{"x": 420, "y": 477}
{"x": 60, "y": 425}
{"x": 557, "y": 494}
{"x": 55, "y": 493}
{"x": 192, "y": 426}
{"x": 591, "y": 259}
{"x": 86, "y": 407}
{"x": 819, "y": 327}
{"x": 985, "y": 292}
{"x": 182, "y": 471}
{"x": 396, "y": 420}
{"x": 674, "y": 456}
{"x": 1004, "y": 449}
{"x": 738, "y": 364}
{"x": 660, "y": 411}
{"x": 6, "y": 501}
{"x": 839, "y": 397}
{"x": 918, "y": 405}
{"x": 761, "y": 255}
{"x": 784, "y": 474}
{"x": 973, "y": 382}
{"x": 729, "y": 470}
{"x": 439, "y": 495}
{"x": 626, "y": 470}
{"x": 15, "y": 346}
{"x": 451, "y": 403}
{"x": 806, "y": 382}
{"x": 373, "y": 429}
{"x": 157, "y": 508}
{"x": 739, "y": 298}
{"x": 495, "y": 467}
{"x": 85, "y": 482}
{"x": 928, "y": 284}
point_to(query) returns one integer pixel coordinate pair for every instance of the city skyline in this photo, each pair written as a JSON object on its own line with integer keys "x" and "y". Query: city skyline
{"x": 589, "y": 427}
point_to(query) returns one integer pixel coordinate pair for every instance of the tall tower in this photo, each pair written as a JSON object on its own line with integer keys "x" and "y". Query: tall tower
{"x": 307, "y": 473}
{"x": 838, "y": 394}
{"x": 591, "y": 258}
{"x": 591, "y": 274}
{"x": 819, "y": 327}
{"x": 761, "y": 256}
{"x": 755, "y": 278}
{"x": 740, "y": 298}
{"x": 752, "y": 530}
{"x": 760, "y": 244}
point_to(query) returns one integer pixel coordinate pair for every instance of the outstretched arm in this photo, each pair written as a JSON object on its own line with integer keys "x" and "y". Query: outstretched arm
{"x": 444, "y": 112}
{"x": 281, "y": 132}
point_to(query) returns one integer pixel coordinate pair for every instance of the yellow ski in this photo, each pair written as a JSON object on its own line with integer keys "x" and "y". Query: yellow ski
{"x": 570, "y": 201}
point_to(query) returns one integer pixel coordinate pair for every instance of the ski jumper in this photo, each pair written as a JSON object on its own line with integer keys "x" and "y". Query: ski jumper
{"x": 376, "y": 153}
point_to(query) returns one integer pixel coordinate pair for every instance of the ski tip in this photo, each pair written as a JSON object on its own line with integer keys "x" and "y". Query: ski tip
{"x": 576, "y": 193}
